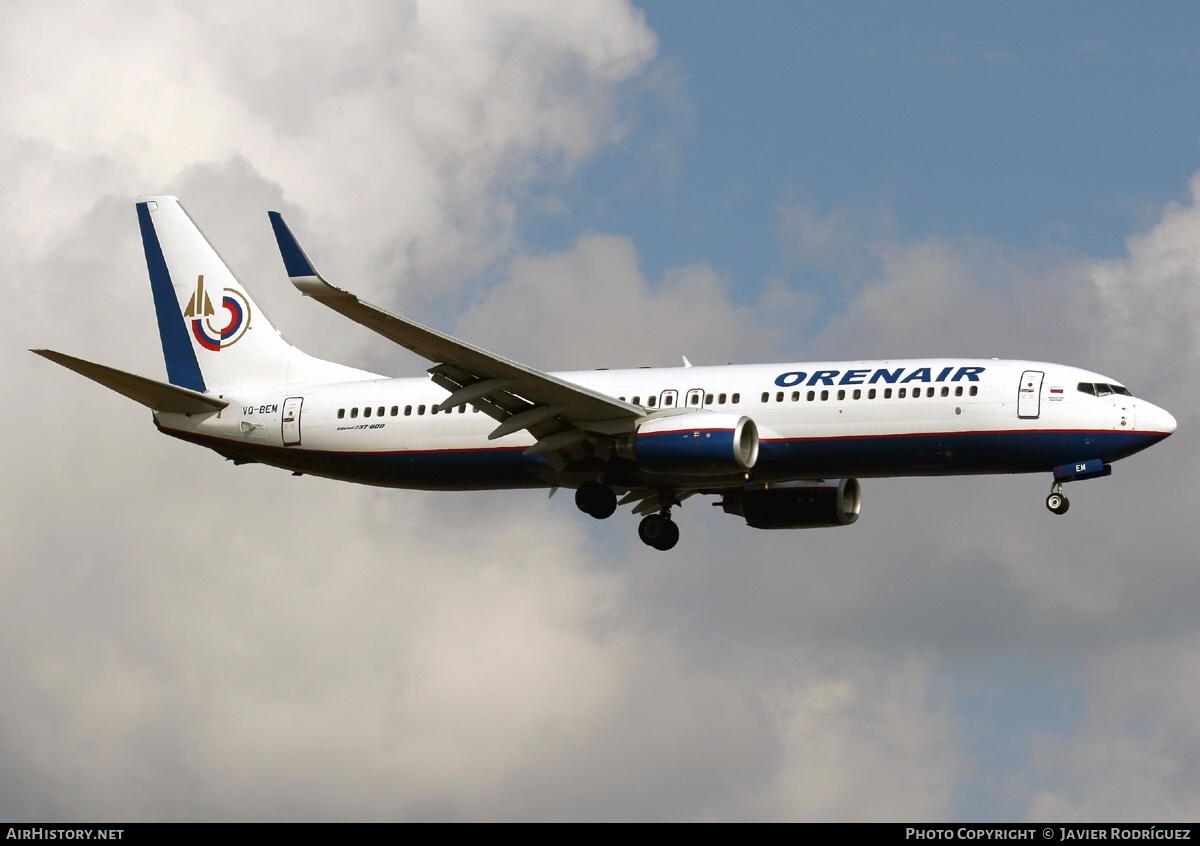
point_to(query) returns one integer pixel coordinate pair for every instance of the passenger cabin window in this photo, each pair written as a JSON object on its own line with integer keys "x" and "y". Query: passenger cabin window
{"x": 650, "y": 402}
{"x": 824, "y": 396}
{"x": 395, "y": 410}
{"x": 974, "y": 390}
{"x": 708, "y": 398}
{"x": 902, "y": 393}
{"x": 766, "y": 397}
{"x": 353, "y": 413}
{"x": 420, "y": 409}
{"x": 736, "y": 398}
{"x": 367, "y": 411}
{"x": 408, "y": 411}
{"x": 341, "y": 413}
{"x": 812, "y": 395}
{"x": 720, "y": 399}
{"x": 637, "y": 400}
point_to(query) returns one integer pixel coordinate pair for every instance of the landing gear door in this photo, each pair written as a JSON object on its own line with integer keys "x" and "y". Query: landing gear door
{"x": 1029, "y": 395}
{"x": 291, "y": 420}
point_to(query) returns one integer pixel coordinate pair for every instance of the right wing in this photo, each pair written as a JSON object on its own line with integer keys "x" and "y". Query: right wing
{"x": 567, "y": 420}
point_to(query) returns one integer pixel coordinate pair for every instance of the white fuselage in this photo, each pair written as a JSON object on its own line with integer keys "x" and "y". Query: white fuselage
{"x": 815, "y": 420}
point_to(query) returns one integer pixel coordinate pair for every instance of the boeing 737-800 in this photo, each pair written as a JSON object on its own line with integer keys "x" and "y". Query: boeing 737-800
{"x": 781, "y": 445}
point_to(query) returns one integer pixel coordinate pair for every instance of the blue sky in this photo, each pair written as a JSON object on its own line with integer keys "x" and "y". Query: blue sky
{"x": 1027, "y": 124}
{"x": 601, "y": 184}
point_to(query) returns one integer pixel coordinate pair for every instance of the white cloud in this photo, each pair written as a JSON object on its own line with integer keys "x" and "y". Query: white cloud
{"x": 591, "y": 306}
{"x": 438, "y": 114}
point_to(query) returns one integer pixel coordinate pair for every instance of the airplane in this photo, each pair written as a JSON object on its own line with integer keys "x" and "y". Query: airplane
{"x": 781, "y": 446}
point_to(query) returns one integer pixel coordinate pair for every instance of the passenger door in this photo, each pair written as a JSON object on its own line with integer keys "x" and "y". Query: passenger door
{"x": 291, "y": 420}
{"x": 1029, "y": 395}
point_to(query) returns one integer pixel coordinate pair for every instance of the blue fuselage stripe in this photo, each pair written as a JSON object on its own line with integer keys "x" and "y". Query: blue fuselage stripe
{"x": 1009, "y": 451}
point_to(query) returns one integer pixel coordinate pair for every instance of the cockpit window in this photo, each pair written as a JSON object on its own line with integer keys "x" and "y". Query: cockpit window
{"x": 1103, "y": 389}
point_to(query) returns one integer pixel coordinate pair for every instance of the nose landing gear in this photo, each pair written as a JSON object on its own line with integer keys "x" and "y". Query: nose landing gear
{"x": 1056, "y": 502}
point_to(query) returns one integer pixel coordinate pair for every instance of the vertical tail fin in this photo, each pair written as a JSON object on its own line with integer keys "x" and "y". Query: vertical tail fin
{"x": 213, "y": 335}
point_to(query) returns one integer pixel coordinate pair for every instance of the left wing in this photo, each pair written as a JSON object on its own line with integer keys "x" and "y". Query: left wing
{"x": 566, "y": 419}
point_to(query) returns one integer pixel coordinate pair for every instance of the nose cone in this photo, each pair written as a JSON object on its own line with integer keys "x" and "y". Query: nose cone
{"x": 1155, "y": 420}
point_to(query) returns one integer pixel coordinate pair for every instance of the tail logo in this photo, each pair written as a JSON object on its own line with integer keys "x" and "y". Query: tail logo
{"x": 206, "y": 328}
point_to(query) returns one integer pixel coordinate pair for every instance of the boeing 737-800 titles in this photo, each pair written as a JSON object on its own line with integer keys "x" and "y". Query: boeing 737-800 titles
{"x": 780, "y": 445}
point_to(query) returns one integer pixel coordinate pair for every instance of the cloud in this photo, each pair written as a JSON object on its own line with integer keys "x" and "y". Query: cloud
{"x": 591, "y": 305}
{"x": 1136, "y": 756}
{"x": 440, "y": 114}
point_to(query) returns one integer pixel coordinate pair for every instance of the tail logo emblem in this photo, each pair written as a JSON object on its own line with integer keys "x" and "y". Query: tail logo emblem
{"x": 207, "y": 328}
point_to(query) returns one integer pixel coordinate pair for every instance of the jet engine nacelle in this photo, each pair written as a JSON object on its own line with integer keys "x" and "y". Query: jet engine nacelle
{"x": 797, "y": 505}
{"x": 699, "y": 443}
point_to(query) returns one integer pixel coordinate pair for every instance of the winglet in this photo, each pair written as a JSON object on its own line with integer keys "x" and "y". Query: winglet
{"x": 299, "y": 267}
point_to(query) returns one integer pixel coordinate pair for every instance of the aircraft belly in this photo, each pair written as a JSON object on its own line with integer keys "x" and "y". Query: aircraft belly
{"x": 942, "y": 453}
{"x": 494, "y": 468}
{"x": 490, "y": 469}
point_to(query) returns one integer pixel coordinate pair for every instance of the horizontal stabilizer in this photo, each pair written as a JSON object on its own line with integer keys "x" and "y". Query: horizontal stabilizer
{"x": 159, "y": 396}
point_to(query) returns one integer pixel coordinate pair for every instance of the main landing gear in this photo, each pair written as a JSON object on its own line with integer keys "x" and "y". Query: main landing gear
{"x": 1056, "y": 502}
{"x": 658, "y": 531}
{"x": 596, "y": 499}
